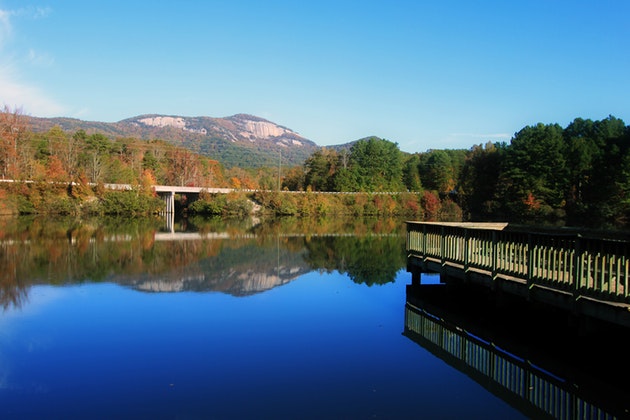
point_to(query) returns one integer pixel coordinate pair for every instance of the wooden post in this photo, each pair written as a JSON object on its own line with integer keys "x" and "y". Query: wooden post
{"x": 466, "y": 238}
{"x": 494, "y": 255}
{"x": 424, "y": 243}
{"x": 578, "y": 271}
{"x": 442, "y": 245}
{"x": 530, "y": 265}
{"x": 416, "y": 277}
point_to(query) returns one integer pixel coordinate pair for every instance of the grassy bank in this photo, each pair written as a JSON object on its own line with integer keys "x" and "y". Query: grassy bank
{"x": 84, "y": 199}
{"x": 75, "y": 199}
{"x": 423, "y": 206}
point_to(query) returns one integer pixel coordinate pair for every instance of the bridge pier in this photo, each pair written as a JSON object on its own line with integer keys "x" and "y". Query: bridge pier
{"x": 169, "y": 202}
{"x": 170, "y": 222}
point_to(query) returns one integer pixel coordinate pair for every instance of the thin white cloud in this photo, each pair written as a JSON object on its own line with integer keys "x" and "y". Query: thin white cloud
{"x": 5, "y": 27}
{"x": 31, "y": 12}
{"x": 80, "y": 113}
{"x": 30, "y": 99}
{"x": 15, "y": 92}
{"x": 40, "y": 59}
{"x": 482, "y": 136}
{"x": 41, "y": 12}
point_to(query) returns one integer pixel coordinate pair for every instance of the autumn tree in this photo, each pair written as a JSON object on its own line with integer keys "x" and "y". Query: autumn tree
{"x": 70, "y": 153}
{"x": 182, "y": 167}
{"x": 95, "y": 156}
{"x": 211, "y": 173}
{"x": 295, "y": 179}
{"x": 55, "y": 171}
{"x": 31, "y": 160}
{"x": 320, "y": 169}
{"x": 431, "y": 205}
{"x": 128, "y": 154}
{"x": 59, "y": 151}
{"x": 241, "y": 178}
{"x": 13, "y": 124}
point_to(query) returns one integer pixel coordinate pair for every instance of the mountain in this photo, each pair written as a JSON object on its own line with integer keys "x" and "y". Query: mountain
{"x": 240, "y": 140}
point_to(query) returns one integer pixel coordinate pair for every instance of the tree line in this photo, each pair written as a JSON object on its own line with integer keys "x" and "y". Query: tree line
{"x": 579, "y": 174}
{"x": 56, "y": 155}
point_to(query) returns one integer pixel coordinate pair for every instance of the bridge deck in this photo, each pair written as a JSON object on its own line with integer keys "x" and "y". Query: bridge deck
{"x": 583, "y": 273}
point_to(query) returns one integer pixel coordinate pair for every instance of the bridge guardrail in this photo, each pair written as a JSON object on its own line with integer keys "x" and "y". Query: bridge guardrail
{"x": 570, "y": 262}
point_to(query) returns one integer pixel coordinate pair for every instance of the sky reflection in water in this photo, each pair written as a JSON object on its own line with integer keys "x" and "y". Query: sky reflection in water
{"x": 267, "y": 324}
{"x": 319, "y": 347}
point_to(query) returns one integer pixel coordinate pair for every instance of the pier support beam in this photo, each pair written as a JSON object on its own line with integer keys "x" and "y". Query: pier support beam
{"x": 169, "y": 202}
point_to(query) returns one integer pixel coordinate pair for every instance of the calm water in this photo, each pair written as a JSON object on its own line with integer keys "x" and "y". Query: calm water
{"x": 117, "y": 319}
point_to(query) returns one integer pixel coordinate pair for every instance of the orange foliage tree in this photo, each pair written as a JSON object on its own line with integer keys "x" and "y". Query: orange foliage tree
{"x": 431, "y": 204}
{"x": 55, "y": 171}
{"x": 12, "y": 129}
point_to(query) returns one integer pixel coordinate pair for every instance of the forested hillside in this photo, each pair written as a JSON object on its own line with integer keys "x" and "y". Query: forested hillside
{"x": 577, "y": 175}
{"x": 240, "y": 140}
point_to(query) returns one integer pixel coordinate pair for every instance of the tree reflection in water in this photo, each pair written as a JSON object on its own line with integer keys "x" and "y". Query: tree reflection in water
{"x": 231, "y": 256}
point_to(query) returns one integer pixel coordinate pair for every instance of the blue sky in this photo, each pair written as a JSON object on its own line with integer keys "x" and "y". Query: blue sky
{"x": 425, "y": 74}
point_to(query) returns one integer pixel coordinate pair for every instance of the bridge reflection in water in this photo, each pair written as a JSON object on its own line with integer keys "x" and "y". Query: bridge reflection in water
{"x": 535, "y": 365}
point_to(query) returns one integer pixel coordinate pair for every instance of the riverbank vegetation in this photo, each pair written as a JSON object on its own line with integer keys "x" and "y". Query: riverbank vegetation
{"x": 78, "y": 198}
{"x": 578, "y": 175}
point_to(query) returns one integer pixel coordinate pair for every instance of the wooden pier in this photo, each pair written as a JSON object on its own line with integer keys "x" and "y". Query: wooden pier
{"x": 586, "y": 273}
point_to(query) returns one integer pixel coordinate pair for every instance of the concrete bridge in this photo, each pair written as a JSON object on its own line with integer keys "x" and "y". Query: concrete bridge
{"x": 167, "y": 193}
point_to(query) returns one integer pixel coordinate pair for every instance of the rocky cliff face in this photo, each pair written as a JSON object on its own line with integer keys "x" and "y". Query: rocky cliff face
{"x": 237, "y": 128}
{"x": 177, "y": 122}
{"x": 231, "y": 281}
{"x": 240, "y": 140}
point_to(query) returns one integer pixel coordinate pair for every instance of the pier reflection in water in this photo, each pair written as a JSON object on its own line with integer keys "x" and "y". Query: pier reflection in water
{"x": 531, "y": 357}
{"x": 289, "y": 319}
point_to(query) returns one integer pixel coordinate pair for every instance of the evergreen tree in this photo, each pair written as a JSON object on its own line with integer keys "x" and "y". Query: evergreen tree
{"x": 534, "y": 175}
{"x": 376, "y": 165}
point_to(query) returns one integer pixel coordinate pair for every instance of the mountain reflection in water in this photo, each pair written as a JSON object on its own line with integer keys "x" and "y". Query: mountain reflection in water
{"x": 326, "y": 344}
{"x": 212, "y": 255}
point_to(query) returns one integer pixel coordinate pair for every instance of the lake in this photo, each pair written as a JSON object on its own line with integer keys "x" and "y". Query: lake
{"x": 115, "y": 318}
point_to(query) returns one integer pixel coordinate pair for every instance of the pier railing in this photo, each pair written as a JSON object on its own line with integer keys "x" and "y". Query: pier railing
{"x": 535, "y": 391}
{"x": 568, "y": 261}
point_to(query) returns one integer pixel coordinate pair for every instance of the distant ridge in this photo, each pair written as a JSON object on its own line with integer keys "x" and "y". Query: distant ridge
{"x": 239, "y": 140}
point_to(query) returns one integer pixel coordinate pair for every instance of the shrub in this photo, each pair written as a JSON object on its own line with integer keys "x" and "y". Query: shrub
{"x": 431, "y": 204}
{"x": 213, "y": 204}
{"x": 129, "y": 202}
{"x": 450, "y": 212}
{"x": 221, "y": 204}
{"x": 237, "y": 206}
